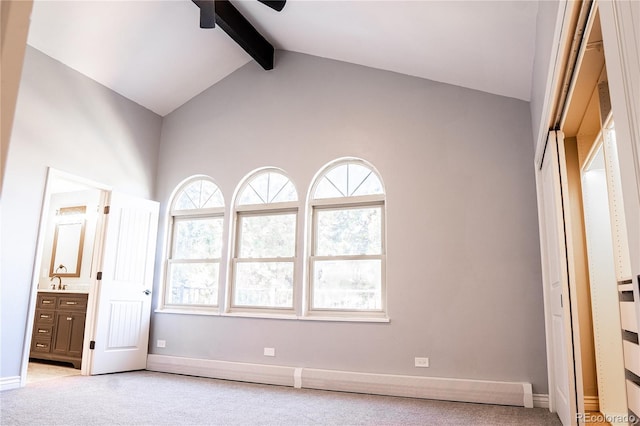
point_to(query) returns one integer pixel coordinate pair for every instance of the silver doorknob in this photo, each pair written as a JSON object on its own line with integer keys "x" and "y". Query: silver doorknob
{"x": 147, "y": 292}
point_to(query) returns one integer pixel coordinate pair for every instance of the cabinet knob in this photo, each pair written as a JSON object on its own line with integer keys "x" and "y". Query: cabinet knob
{"x": 69, "y": 318}
{"x": 72, "y": 303}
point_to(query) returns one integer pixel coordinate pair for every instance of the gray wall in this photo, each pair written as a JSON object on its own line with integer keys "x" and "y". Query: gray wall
{"x": 463, "y": 266}
{"x": 69, "y": 122}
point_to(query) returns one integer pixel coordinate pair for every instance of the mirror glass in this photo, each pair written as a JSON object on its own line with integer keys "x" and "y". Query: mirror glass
{"x": 68, "y": 242}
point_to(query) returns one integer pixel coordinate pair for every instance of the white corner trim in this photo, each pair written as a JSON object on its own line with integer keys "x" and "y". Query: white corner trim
{"x": 297, "y": 378}
{"x": 447, "y": 389}
{"x": 7, "y": 383}
{"x": 540, "y": 400}
{"x": 527, "y": 389}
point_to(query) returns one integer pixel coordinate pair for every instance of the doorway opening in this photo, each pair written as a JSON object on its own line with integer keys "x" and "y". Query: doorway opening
{"x": 64, "y": 277}
{"x": 597, "y": 249}
{"x": 92, "y": 281}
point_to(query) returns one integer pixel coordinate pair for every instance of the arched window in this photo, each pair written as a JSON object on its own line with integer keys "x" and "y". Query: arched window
{"x": 265, "y": 243}
{"x": 347, "y": 262}
{"x": 195, "y": 244}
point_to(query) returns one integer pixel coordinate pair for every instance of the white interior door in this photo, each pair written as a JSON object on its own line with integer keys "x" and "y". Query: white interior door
{"x": 555, "y": 280}
{"x": 121, "y": 330}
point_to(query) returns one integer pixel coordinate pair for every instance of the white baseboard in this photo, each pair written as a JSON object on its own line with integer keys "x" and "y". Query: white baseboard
{"x": 479, "y": 391}
{"x": 240, "y": 371}
{"x": 7, "y": 383}
{"x": 540, "y": 400}
{"x": 591, "y": 403}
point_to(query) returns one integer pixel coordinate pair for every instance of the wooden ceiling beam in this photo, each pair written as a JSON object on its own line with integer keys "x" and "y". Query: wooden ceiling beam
{"x": 207, "y": 13}
{"x": 238, "y": 28}
{"x": 274, "y": 4}
{"x": 243, "y": 33}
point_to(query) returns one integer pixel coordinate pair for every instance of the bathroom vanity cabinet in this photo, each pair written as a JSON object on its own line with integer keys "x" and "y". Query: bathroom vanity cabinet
{"x": 58, "y": 329}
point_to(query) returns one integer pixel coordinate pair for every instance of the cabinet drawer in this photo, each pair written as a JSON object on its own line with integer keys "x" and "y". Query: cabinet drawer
{"x": 42, "y": 331}
{"x": 41, "y": 345}
{"x": 46, "y": 301}
{"x": 76, "y": 303}
{"x": 44, "y": 317}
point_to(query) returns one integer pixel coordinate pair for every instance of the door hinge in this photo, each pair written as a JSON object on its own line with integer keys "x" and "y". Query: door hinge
{"x": 99, "y": 276}
{"x": 106, "y": 209}
{"x": 92, "y": 344}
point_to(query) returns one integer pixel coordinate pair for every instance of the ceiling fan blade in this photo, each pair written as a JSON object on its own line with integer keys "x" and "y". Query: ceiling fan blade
{"x": 207, "y": 13}
{"x": 274, "y": 4}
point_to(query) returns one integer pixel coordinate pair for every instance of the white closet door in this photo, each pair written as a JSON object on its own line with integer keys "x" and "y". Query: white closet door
{"x": 556, "y": 284}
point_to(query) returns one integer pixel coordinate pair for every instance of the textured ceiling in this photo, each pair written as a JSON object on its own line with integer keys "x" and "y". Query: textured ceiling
{"x": 154, "y": 53}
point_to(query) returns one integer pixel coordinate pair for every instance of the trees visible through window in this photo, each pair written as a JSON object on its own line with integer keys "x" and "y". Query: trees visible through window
{"x": 196, "y": 227}
{"x": 348, "y": 247}
{"x": 265, "y": 243}
{"x": 345, "y": 269}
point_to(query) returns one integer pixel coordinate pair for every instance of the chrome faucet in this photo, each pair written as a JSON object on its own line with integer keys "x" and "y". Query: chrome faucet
{"x": 60, "y": 286}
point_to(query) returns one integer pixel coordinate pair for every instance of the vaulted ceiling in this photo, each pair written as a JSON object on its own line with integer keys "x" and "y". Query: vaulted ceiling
{"x": 154, "y": 52}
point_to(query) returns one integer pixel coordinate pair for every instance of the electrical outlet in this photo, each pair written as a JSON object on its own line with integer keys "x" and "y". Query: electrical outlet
{"x": 161, "y": 343}
{"x": 269, "y": 352}
{"x": 422, "y": 362}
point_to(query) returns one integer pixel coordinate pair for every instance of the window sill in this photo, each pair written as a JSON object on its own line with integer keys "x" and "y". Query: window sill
{"x": 266, "y": 315}
{"x": 345, "y": 319}
{"x": 188, "y": 311}
{"x": 272, "y": 315}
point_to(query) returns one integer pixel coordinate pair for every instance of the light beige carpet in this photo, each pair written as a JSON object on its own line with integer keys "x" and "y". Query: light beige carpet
{"x": 150, "y": 398}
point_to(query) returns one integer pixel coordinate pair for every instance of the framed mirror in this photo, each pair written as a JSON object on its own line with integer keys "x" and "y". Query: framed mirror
{"x": 68, "y": 242}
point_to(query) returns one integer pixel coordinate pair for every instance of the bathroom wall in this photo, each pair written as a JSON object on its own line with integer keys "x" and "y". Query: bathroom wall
{"x": 91, "y": 200}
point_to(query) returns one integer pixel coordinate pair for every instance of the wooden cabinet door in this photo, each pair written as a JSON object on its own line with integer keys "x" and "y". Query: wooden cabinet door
{"x": 76, "y": 337}
{"x": 69, "y": 334}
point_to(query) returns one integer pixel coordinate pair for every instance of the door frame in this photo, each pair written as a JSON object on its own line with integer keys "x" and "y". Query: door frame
{"x": 53, "y": 174}
{"x": 622, "y": 58}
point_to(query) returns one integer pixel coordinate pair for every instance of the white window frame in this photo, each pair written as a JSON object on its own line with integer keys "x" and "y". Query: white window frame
{"x": 175, "y": 216}
{"x": 341, "y": 203}
{"x": 266, "y": 209}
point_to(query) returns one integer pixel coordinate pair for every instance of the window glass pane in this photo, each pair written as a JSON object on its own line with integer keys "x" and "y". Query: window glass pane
{"x": 369, "y": 186}
{"x": 268, "y": 187}
{"x": 347, "y": 284}
{"x": 193, "y": 283}
{"x": 184, "y": 202}
{"x": 260, "y": 185}
{"x": 349, "y": 231}
{"x": 199, "y": 194}
{"x": 286, "y": 192}
{"x": 197, "y": 238}
{"x": 347, "y": 180}
{"x": 249, "y": 196}
{"x": 264, "y": 284}
{"x": 338, "y": 177}
{"x": 210, "y": 196}
{"x": 356, "y": 174}
{"x": 267, "y": 236}
{"x": 326, "y": 189}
